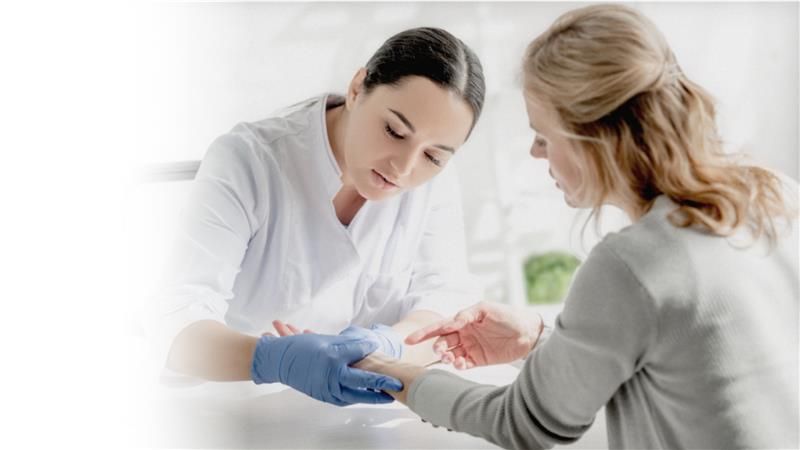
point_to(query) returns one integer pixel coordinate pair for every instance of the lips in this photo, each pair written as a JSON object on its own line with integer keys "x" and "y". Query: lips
{"x": 389, "y": 180}
{"x": 381, "y": 182}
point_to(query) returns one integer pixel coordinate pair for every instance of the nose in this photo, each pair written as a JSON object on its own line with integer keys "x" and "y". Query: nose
{"x": 538, "y": 151}
{"x": 403, "y": 162}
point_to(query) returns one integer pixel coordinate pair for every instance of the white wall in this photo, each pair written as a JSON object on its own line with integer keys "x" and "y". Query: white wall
{"x": 204, "y": 67}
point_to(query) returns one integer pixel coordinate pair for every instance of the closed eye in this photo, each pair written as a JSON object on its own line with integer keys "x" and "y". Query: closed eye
{"x": 432, "y": 159}
{"x": 390, "y": 131}
{"x": 393, "y": 133}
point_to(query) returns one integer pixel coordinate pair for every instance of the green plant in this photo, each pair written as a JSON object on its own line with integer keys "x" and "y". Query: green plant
{"x": 548, "y": 276}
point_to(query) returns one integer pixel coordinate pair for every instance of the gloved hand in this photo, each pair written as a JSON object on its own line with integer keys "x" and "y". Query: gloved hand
{"x": 317, "y": 365}
{"x": 388, "y": 340}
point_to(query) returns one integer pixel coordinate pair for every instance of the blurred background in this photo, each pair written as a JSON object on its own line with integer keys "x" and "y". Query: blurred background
{"x": 92, "y": 94}
{"x": 204, "y": 67}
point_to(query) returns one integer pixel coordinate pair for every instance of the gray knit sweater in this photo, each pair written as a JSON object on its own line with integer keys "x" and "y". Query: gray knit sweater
{"x": 688, "y": 341}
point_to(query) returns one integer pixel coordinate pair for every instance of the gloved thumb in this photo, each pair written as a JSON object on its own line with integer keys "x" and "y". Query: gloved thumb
{"x": 356, "y": 350}
{"x": 393, "y": 342}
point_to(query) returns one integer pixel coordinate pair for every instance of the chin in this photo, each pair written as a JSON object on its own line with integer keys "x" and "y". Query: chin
{"x": 374, "y": 195}
{"x": 571, "y": 202}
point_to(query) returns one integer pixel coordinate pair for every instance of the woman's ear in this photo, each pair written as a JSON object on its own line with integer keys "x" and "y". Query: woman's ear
{"x": 356, "y": 87}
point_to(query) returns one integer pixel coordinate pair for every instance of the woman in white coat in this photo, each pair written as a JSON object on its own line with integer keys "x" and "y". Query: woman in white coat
{"x": 340, "y": 211}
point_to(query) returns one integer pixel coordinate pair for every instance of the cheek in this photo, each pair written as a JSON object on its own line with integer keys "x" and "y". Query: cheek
{"x": 363, "y": 146}
{"x": 564, "y": 165}
{"x": 425, "y": 172}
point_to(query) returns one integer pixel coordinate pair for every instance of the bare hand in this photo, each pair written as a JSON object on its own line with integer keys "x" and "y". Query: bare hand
{"x": 484, "y": 334}
{"x": 285, "y": 329}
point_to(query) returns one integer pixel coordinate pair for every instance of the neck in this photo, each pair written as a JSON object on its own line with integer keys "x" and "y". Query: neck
{"x": 347, "y": 201}
{"x": 336, "y": 121}
{"x": 634, "y": 212}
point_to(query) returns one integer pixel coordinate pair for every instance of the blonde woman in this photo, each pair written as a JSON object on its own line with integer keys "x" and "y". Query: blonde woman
{"x": 684, "y": 324}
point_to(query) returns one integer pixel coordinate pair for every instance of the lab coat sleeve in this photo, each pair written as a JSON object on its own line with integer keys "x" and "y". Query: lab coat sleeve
{"x": 440, "y": 280}
{"x": 599, "y": 341}
{"x": 226, "y": 204}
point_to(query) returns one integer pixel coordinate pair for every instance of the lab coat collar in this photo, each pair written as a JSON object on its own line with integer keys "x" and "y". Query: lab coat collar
{"x": 361, "y": 230}
{"x": 329, "y": 169}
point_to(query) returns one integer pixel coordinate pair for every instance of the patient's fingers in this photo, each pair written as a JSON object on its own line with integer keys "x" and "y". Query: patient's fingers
{"x": 282, "y": 329}
{"x": 460, "y": 363}
{"x": 268, "y": 334}
{"x": 443, "y": 327}
{"x": 425, "y": 333}
{"x": 293, "y": 329}
{"x": 449, "y": 356}
{"x": 470, "y": 363}
{"x": 462, "y": 319}
{"x": 444, "y": 342}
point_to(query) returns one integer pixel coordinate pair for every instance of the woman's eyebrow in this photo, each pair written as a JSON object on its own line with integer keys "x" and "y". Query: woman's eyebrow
{"x": 445, "y": 148}
{"x": 404, "y": 119}
{"x": 407, "y": 123}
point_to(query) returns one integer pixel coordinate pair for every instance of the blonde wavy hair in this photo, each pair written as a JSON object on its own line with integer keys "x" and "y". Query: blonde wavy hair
{"x": 640, "y": 127}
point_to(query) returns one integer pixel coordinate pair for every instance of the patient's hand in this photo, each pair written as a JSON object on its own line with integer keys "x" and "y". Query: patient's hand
{"x": 484, "y": 334}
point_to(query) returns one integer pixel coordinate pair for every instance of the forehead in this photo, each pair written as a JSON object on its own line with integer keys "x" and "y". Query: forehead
{"x": 434, "y": 111}
{"x": 539, "y": 115}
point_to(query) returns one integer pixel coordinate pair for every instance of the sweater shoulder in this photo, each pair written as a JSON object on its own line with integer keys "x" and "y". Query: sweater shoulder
{"x": 659, "y": 255}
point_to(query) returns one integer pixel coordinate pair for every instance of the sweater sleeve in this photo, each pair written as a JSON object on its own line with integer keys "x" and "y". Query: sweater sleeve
{"x": 598, "y": 342}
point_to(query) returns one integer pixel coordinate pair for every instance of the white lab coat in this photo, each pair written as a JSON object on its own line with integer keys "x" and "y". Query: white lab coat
{"x": 259, "y": 240}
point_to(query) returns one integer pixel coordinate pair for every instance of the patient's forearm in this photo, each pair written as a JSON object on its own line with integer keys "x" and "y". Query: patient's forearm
{"x": 421, "y": 353}
{"x": 210, "y": 350}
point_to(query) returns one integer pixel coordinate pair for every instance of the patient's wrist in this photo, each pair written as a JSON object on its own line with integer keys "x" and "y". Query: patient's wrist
{"x": 386, "y": 365}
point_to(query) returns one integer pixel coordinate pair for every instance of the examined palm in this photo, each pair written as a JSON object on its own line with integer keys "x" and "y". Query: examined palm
{"x": 484, "y": 334}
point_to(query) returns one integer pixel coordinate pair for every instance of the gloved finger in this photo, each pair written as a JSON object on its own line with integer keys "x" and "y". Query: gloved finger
{"x": 356, "y": 349}
{"x": 356, "y": 378}
{"x": 332, "y": 399}
{"x": 351, "y": 330}
{"x": 281, "y": 328}
{"x": 363, "y": 396}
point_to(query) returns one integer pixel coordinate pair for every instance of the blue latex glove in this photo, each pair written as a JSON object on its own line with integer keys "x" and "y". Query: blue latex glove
{"x": 317, "y": 365}
{"x": 388, "y": 340}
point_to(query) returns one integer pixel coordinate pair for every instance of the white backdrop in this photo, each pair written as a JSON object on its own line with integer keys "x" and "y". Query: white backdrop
{"x": 205, "y": 67}
{"x": 91, "y": 90}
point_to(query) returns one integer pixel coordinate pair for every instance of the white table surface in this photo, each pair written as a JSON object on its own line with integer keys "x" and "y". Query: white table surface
{"x": 245, "y": 415}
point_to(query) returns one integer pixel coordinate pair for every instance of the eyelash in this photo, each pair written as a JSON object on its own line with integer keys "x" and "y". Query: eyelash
{"x": 394, "y": 135}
